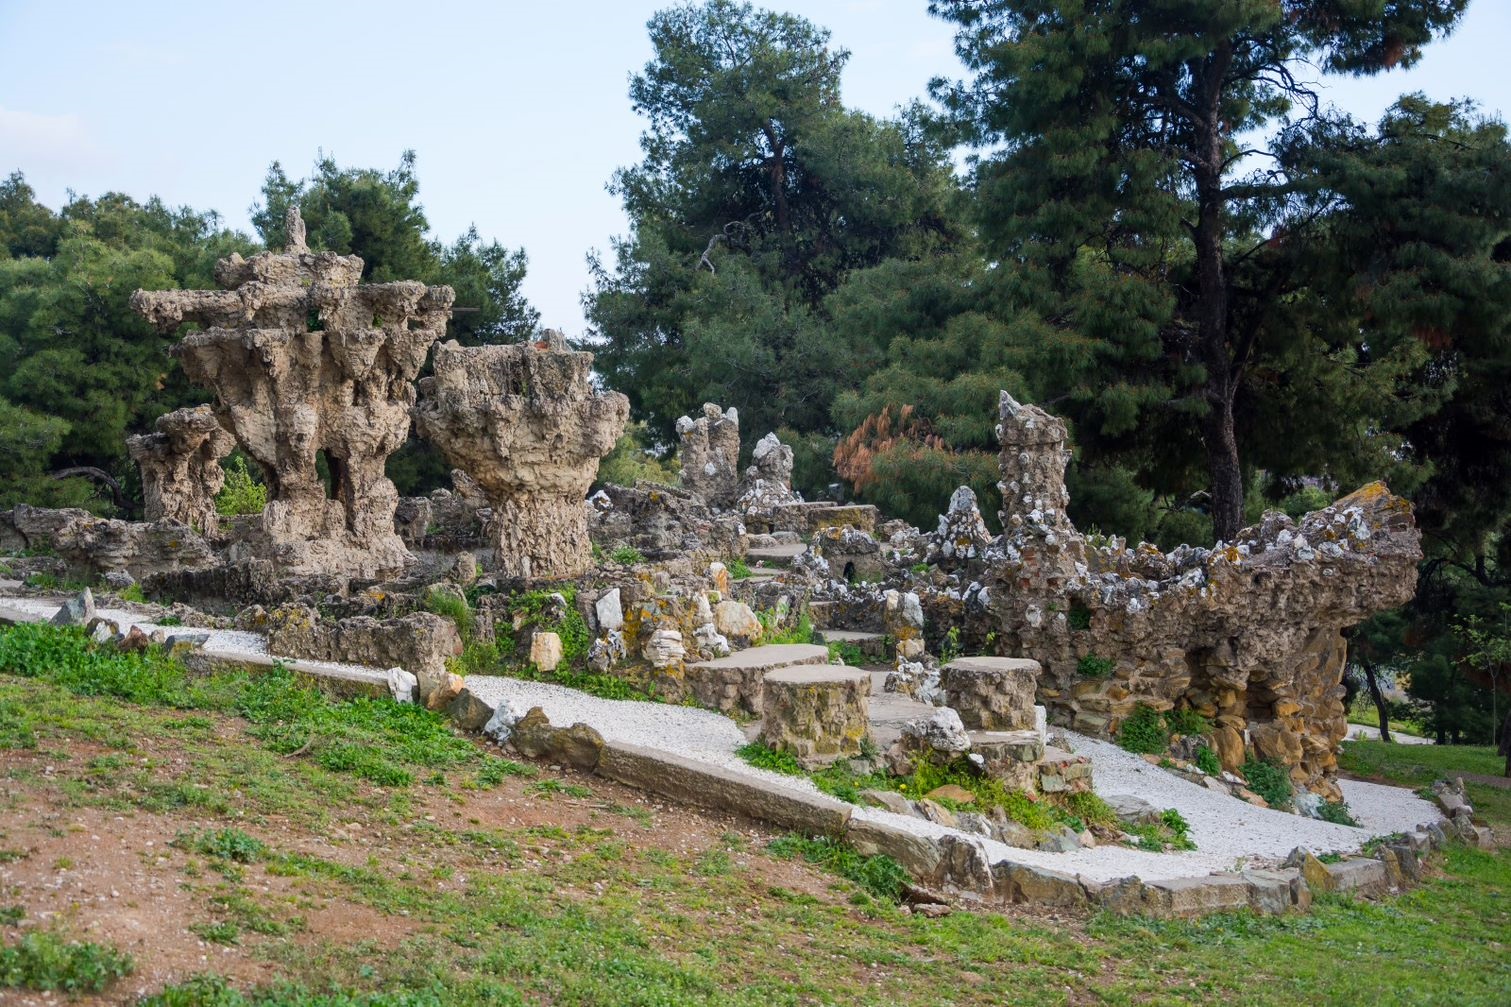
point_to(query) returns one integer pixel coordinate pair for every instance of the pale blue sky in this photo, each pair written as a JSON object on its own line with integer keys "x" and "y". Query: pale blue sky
{"x": 517, "y": 110}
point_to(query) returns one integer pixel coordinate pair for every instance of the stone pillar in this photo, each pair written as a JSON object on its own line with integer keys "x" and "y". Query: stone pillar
{"x": 306, "y": 361}
{"x": 710, "y": 455}
{"x": 526, "y": 424}
{"x": 819, "y": 713}
{"x": 991, "y": 693}
{"x": 180, "y": 466}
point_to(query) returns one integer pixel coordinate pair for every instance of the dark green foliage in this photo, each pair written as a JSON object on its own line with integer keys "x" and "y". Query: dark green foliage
{"x": 244, "y": 492}
{"x": 1269, "y": 781}
{"x": 1092, "y": 666}
{"x": 759, "y": 191}
{"x": 224, "y": 844}
{"x": 1079, "y": 616}
{"x": 1188, "y": 723}
{"x": 880, "y": 875}
{"x": 634, "y": 461}
{"x": 1208, "y": 762}
{"x": 1144, "y": 731}
{"x": 765, "y": 757}
{"x": 43, "y": 961}
{"x": 1173, "y": 279}
{"x": 1336, "y": 812}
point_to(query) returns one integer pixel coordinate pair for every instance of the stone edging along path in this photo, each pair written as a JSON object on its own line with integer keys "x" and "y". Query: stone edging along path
{"x": 688, "y": 755}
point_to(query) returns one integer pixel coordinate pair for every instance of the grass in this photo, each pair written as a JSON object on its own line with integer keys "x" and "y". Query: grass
{"x": 43, "y": 961}
{"x": 1364, "y": 712}
{"x": 627, "y": 556}
{"x": 1417, "y": 766}
{"x": 461, "y": 902}
{"x": 1270, "y": 781}
{"x": 738, "y": 569}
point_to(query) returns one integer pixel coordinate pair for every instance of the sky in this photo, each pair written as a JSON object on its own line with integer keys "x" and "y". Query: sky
{"x": 517, "y": 110}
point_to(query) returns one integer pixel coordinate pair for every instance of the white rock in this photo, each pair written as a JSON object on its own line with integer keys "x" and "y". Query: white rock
{"x": 402, "y": 685}
{"x": 609, "y": 610}
{"x": 501, "y": 725}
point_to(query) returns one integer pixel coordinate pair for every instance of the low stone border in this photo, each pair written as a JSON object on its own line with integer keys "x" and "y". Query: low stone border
{"x": 951, "y": 867}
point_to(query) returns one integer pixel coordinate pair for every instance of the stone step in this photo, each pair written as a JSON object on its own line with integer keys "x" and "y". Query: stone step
{"x": 869, "y": 644}
{"x": 733, "y": 684}
{"x": 780, "y": 556}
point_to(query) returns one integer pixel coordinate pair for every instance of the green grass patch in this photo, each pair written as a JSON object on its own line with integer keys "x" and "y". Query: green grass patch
{"x": 1092, "y": 666}
{"x": 879, "y": 875}
{"x": 738, "y": 569}
{"x": 44, "y": 961}
{"x": 627, "y": 556}
{"x": 1417, "y": 766}
{"x": 1208, "y": 762}
{"x": 1188, "y": 723}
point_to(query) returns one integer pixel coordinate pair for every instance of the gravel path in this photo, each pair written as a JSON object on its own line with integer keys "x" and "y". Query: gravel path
{"x": 1368, "y": 733}
{"x": 1227, "y": 831}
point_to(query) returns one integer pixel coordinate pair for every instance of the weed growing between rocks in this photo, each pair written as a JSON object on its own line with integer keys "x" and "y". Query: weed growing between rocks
{"x": 1208, "y": 762}
{"x": 1336, "y": 812}
{"x": 845, "y": 652}
{"x": 1092, "y": 666}
{"x": 1269, "y": 781}
{"x": 738, "y": 569}
{"x": 772, "y": 633}
{"x": 1144, "y": 731}
{"x": 1188, "y": 723}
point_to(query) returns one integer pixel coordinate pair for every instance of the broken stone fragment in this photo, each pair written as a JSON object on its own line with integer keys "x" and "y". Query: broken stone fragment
{"x": 403, "y": 686}
{"x": 76, "y": 611}
{"x": 545, "y": 650}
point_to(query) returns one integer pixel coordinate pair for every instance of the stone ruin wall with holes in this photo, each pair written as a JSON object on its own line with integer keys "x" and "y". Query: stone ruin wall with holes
{"x": 1249, "y": 634}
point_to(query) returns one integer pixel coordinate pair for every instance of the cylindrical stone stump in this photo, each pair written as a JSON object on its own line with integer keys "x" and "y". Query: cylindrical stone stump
{"x": 991, "y": 693}
{"x": 819, "y": 713}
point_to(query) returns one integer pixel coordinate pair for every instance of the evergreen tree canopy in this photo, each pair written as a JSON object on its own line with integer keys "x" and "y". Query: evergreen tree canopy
{"x": 1133, "y": 131}
{"x": 758, "y": 193}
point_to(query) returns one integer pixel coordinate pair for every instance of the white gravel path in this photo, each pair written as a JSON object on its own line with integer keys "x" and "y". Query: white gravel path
{"x": 1228, "y": 832}
{"x": 1373, "y": 734}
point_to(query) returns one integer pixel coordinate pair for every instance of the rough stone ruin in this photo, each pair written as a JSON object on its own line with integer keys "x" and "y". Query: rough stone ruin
{"x": 526, "y": 423}
{"x": 1248, "y": 634}
{"x": 710, "y": 453}
{"x": 180, "y": 466}
{"x": 308, "y": 362}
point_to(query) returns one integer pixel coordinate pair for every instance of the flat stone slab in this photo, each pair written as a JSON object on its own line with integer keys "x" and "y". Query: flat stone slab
{"x": 767, "y": 658}
{"x": 733, "y": 684}
{"x": 706, "y": 786}
{"x": 776, "y": 555}
{"x": 818, "y": 674}
{"x": 995, "y": 665}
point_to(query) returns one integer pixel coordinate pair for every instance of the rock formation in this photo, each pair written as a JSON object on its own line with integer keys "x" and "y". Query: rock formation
{"x": 1248, "y": 634}
{"x": 180, "y": 465}
{"x": 710, "y": 455}
{"x": 525, "y": 422}
{"x": 768, "y": 482}
{"x": 307, "y": 361}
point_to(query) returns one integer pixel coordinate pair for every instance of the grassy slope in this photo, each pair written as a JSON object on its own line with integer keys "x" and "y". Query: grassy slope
{"x": 494, "y": 887}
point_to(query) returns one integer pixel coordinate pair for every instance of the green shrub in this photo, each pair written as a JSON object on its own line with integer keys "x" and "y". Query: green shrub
{"x": 799, "y": 632}
{"x": 1092, "y": 666}
{"x": 1269, "y": 781}
{"x": 1091, "y": 809}
{"x": 1188, "y": 723}
{"x": 1144, "y": 731}
{"x": 1336, "y": 812}
{"x": 243, "y": 492}
{"x": 845, "y": 652}
{"x": 225, "y": 844}
{"x": 764, "y": 757}
{"x": 1079, "y": 616}
{"x": 627, "y": 556}
{"x": 738, "y": 568}
{"x": 133, "y": 593}
{"x": 43, "y": 961}
{"x": 450, "y": 604}
{"x": 1208, "y": 762}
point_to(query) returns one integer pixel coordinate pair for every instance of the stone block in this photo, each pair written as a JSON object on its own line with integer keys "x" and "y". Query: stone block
{"x": 1196, "y": 896}
{"x": 819, "y": 713}
{"x": 545, "y": 650}
{"x": 919, "y": 855}
{"x": 1361, "y": 875}
{"x": 733, "y": 683}
{"x": 992, "y": 693}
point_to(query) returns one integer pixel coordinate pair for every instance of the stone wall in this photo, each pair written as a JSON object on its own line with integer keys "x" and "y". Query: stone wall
{"x": 1248, "y": 634}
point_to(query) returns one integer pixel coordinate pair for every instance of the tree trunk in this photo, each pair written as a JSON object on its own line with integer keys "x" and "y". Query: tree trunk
{"x": 1212, "y": 312}
{"x": 1505, "y": 745}
{"x": 1379, "y": 698}
{"x": 776, "y": 167}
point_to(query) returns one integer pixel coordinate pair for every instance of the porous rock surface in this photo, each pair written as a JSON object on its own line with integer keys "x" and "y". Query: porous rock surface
{"x": 180, "y": 466}
{"x": 818, "y": 713}
{"x": 1248, "y": 634}
{"x": 991, "y": 693}
{"x": 306, "y": 360}
{"x": 525, "y": 422}
{"x": 709, "y": 449}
